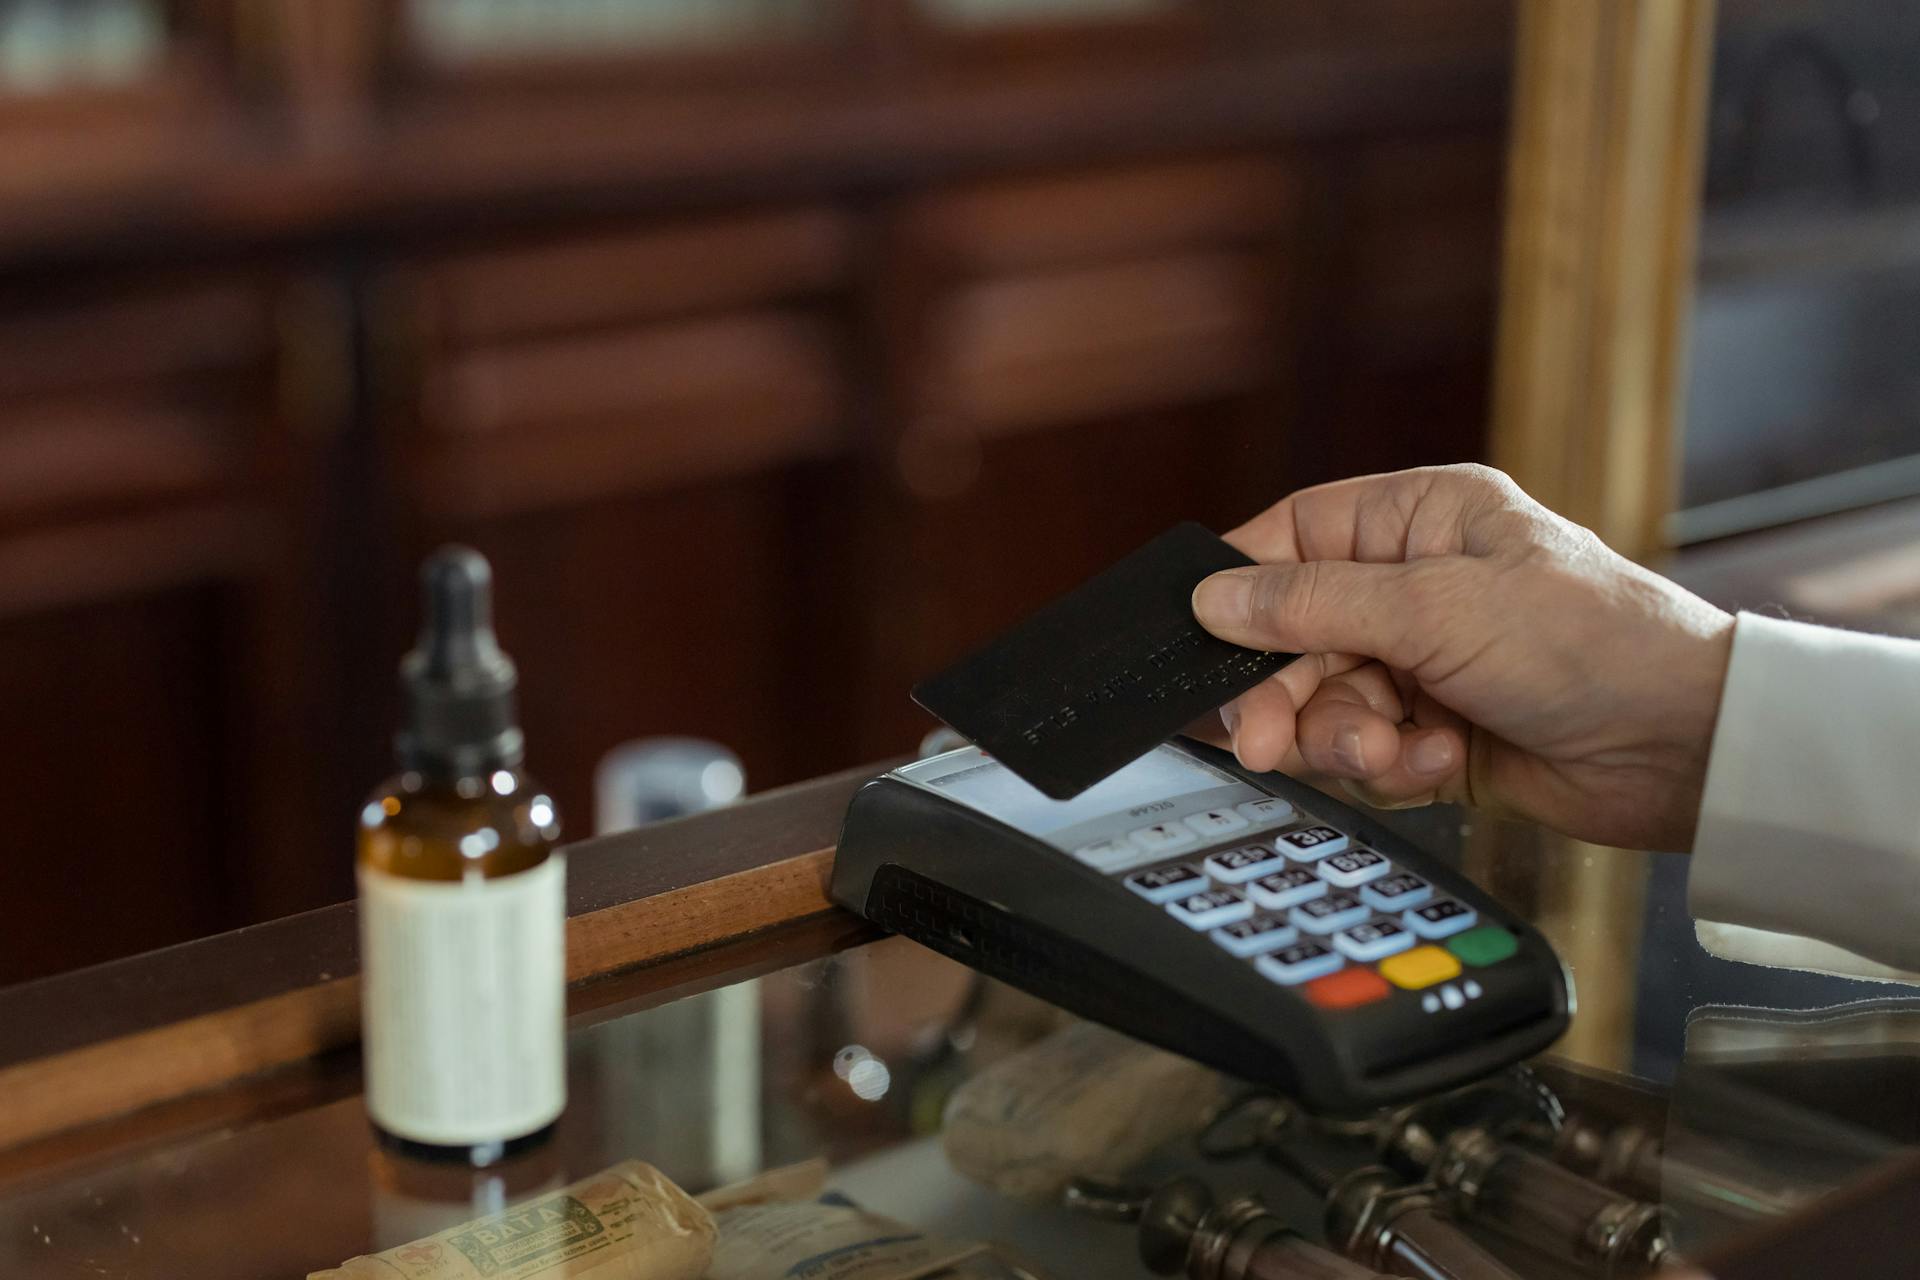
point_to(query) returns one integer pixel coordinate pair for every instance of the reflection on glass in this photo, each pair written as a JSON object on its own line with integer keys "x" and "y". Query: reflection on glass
{"x": 463, "y": 29}
{"x": 707, "y": 1046}
{"x": 1770, "y": 1108}
{"x": 1798, "y": 379}
{"x": 57, "y": 44}
{"x": 1803, "y": 399}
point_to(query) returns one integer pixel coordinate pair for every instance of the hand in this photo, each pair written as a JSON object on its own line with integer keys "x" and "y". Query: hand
{"x": 1463, "y": 643}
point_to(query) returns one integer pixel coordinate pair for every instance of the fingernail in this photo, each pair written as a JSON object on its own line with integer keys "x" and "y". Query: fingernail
{"x": 1223, "y": 600}
{"x": 1430, "y": 754}
{"x": 1230, "y": 717}
{"x": 1346, "y": 749}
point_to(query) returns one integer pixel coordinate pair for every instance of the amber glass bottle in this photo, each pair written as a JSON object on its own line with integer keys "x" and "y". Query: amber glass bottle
{"x": 462, "y": 902}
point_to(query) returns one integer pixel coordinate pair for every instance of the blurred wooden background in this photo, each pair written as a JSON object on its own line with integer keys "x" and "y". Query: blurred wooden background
{"x": 776, "y": 355}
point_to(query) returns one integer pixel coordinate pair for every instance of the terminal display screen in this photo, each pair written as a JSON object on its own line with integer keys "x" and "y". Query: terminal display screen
{"x": 973, "y": 778}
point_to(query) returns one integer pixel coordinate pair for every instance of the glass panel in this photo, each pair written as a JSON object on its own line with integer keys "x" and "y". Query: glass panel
{"x": 1803, "y": 398}
{"x": 1758, "y": 1088}
{"x": 59, "y": 44}
{"x": 462, "y": 29}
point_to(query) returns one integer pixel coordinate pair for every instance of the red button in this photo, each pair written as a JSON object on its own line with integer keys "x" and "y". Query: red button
{"x": 1347, "y": 988}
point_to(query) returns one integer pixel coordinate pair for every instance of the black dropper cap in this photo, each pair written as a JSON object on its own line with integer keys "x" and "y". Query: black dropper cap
{"x": 458, "y": 683}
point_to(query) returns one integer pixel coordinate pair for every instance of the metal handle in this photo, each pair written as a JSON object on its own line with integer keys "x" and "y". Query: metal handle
{"x": 1551, "y": 1208}
{"x": 1421, "y": 1243}
{"x": 1241, "y": 1240}
{"x": 1292, "y": 1258}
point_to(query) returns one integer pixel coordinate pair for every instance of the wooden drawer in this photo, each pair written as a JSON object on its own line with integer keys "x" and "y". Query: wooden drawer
{"x": 86, "y": 339}
{"x": 1070, "y": 299}
{"x": 616, "y": 278}
{"x": 1095, "y": 217}
{"x": 132, "y": 439}
{"x": 625, "y": 361}
{"x": 570, "y": 420}
{"x": 79, "y": 456}
{"x": 1024, "y": 351}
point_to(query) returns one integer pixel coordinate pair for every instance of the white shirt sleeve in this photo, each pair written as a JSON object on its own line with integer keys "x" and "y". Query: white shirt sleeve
{"x": 1810, "y": 824}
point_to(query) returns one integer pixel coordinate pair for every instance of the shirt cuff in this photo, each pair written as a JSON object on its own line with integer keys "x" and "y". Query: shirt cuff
{"x": 1810, "y": 823}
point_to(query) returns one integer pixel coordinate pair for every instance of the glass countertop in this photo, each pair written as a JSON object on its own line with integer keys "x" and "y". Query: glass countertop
{"x": 1754, "y": 1089}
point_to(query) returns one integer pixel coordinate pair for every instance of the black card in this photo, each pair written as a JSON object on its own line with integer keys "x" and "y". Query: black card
{"x": 1104, "y": 674}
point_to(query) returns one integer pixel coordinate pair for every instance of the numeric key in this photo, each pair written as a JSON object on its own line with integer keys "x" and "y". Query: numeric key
{"x": 1164, "y": 884}
{"x": 1248, "y": 862}
{"x": 1301, "y": 962}
{"x": 1373, "y": 940}
{"x": 1289, "y": 888}
{"x": 1353, "y": 868}
{"x": 1329, "y": 914}
{"x": 1441, "y": 918}
{"x": 1396, "y": 892}
{"x": 1310, "y": 844}
{"x": 1212, "y": 909}
{"x": 1257, "y": 936}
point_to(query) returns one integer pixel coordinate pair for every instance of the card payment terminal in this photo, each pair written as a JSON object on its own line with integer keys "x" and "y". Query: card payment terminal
{"x": 1244, "y": 920}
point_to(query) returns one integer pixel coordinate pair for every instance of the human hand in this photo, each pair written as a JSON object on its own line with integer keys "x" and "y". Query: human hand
{"x": 1463, "y": 643}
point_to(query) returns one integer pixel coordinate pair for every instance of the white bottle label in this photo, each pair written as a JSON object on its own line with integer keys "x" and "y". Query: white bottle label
{"x": 463, "y": 1004}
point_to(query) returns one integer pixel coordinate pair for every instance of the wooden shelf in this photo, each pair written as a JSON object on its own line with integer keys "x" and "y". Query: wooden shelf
{"x": 96, "y": 1044}
{"x": 434, "y": 159}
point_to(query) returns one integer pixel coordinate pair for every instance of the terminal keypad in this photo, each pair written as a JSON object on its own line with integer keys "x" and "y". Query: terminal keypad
{"x": 1309, "y": 906}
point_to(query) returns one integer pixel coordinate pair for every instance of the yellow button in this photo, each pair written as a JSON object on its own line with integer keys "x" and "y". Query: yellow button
{"x": 1420, "y": 967}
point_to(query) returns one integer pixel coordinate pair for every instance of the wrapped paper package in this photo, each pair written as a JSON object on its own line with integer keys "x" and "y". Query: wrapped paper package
{"x": 801, "y": 1181}
{"x": 1084, "y": 1102}
{"x": 629, "y": 1223}
{"x": 825, "y": 1240}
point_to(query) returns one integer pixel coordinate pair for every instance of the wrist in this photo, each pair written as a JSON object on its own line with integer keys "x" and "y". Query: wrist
{"x": 1700, "y": 686}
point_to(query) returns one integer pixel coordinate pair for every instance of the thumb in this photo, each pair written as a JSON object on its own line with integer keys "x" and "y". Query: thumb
{"x": 1320, "y": 606}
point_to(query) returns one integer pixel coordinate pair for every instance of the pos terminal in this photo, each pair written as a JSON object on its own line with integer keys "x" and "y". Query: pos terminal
{"x": 1244, "y": 920}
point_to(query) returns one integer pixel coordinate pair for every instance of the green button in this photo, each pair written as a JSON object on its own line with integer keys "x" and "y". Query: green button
{"x": 1489, "y": 944}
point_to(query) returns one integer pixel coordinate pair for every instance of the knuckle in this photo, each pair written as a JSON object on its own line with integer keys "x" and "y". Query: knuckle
{"x": 1480, "y": 476}
{"x": 1281, "y": 595}
{"x": 1306, "y": 591}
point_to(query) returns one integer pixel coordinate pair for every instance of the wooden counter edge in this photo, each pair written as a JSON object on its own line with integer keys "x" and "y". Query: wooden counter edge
{"x": 635, "y": 900}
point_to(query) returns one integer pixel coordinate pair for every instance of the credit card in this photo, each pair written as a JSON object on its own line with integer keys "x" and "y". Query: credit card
{"x": 1104, "y": 674}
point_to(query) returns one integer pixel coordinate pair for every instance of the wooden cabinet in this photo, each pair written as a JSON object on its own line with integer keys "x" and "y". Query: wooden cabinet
{"x": 771, "y": 373}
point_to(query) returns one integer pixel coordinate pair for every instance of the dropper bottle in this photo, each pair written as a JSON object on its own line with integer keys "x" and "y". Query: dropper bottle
{"x": 462, "y": 902}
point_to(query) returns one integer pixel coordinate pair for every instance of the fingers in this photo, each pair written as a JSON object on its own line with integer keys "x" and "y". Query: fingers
{"x": 1341, "y": 734}
{"x": 1329, "y": 522}
{"x": 1430, "y": 767}
{"x": 1260, "y": 722}
{"x": 1354, "y": 728}
{"x": 1343, "y": 716}
{"x": 1325, "y": 522}
{"x": 1382, "y": 611}
{"x": 1381, "y": 519}
{"x": 1349, "y": 728}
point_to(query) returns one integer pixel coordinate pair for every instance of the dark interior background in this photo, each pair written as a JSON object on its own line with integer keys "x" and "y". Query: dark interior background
{"x": 775, "y": 356}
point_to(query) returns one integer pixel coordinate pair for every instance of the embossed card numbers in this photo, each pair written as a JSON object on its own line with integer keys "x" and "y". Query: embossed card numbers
{"x": 1104, "y": 674}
